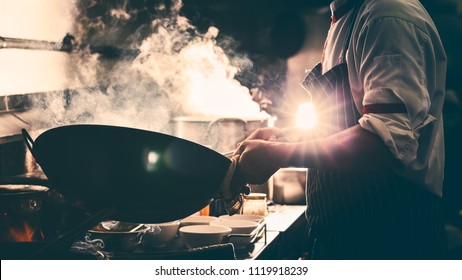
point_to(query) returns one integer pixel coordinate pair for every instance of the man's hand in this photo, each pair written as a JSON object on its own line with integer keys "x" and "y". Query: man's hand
{"x": 260, "y": 159}
{"x": 267, "y": 134}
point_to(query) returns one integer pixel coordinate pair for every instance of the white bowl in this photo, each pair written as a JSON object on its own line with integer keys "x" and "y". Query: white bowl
{"x": 197, "y": 220}
{"x": 237, "y": 226}
{"x": 243, "y": 217}
{"x": 203, "y": 235}
{"x": 160, "y": 235}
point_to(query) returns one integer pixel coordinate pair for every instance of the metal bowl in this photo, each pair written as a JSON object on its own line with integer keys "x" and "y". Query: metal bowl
{"x": 124, "y": 237}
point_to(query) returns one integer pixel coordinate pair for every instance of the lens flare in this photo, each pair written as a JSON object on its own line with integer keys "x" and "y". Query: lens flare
{"x": 152, "y": 160}
{"x": 306, "y": 116}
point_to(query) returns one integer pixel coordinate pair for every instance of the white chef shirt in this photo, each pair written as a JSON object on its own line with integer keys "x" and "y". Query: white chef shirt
{"x": 395, "y": 56}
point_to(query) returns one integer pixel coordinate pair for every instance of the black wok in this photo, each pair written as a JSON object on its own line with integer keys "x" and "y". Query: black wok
{"x": 143, "y": 176}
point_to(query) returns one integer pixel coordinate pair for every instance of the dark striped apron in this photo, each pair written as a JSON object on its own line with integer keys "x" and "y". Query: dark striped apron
{"x": 364, "y": 215}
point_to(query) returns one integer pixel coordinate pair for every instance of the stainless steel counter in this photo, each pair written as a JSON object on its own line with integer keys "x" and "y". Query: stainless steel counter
{"x": 286, "y": 235}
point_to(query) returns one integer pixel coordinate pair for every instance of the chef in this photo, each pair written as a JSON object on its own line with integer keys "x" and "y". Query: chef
{"x": 375, "y": 176}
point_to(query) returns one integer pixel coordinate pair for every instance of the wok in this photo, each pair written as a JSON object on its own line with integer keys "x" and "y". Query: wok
{"x": 141, "y": 176}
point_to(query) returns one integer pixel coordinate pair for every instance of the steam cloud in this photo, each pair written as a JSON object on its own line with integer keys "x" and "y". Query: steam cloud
{"x": 178, "y": 71}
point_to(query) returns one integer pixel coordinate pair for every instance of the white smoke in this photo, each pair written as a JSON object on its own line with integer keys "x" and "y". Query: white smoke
{"x": 178, "y": 71}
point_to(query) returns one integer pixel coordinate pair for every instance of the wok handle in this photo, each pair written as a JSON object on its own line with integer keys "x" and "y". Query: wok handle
{"x": 28, "y": 141}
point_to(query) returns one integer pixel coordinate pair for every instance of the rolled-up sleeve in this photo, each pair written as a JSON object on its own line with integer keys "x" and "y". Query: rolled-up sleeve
{"x": 392, "y": 71}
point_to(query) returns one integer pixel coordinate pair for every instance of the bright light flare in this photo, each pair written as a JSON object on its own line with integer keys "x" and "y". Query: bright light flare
{"x": 152, "y": 160}
{"x": 306, "y": 116}
{"x": 153, "y": 157}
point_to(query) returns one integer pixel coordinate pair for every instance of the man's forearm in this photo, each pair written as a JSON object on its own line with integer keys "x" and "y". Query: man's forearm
{"x": 351, "y": 149}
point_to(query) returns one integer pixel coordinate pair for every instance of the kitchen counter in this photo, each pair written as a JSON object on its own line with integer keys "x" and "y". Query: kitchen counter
{"x": 283, "y": 238}
{"x": 286, "y": 235}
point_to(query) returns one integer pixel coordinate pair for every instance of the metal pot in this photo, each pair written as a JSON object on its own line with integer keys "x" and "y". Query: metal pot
{"x": 20, "y": 212}
{"x": 21, "y": 198}
{"x": 117, "y": 239}
{"x": 219, "y": 134}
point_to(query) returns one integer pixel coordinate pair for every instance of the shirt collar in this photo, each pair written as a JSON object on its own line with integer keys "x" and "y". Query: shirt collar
{"x": 339, "y": 8}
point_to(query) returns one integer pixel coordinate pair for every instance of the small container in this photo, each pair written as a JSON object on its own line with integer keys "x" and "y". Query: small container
{"x": 289, "y": 186}
{"x": 255, "y": 204}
